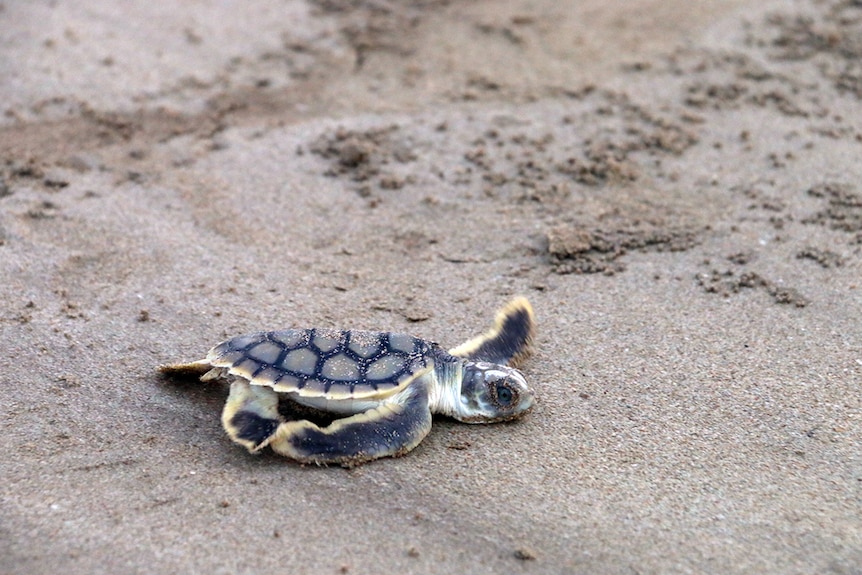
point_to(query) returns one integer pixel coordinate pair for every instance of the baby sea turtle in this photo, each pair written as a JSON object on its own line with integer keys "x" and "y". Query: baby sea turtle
{"x": 382, "y": 387}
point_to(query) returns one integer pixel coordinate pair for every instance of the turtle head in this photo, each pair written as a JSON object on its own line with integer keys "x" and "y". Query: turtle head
{"x": 491, "y": 392}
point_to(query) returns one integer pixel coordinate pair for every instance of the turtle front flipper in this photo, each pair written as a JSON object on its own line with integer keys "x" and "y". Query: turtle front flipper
{"x": 392, "y": 429}
{"x": 250, "y": 416}
{"x": 508, "y": 341}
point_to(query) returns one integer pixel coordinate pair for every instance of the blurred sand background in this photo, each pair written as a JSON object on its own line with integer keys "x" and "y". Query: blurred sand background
{"x": 675, "y": 185}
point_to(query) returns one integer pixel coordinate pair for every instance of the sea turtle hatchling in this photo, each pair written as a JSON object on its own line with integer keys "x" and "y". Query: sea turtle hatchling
{"x": 382, "y": 387}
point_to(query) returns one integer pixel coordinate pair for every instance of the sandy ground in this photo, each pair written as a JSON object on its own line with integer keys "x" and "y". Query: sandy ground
{"x": 675, "y": 185}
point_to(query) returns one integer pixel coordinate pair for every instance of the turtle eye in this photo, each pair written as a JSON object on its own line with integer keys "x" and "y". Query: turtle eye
{"x": 505, "y": 396}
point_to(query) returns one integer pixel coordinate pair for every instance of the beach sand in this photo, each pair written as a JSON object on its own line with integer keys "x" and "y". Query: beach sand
{"x": 675, "y": 186}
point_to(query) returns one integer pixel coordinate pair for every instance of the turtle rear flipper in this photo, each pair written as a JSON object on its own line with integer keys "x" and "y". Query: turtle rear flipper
{"x": 392, "y": 429}
{"x": 508, "y": 342}
{"x": 250, "y": 416}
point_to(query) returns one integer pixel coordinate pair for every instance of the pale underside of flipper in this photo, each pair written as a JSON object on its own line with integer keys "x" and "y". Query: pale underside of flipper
{"x": 508, "y": 342}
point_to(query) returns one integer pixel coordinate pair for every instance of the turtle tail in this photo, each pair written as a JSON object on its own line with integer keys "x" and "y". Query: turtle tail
{"x": 185, "y": 370}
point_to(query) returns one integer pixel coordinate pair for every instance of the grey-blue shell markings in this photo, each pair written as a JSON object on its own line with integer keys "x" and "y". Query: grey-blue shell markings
{"x": 324, "y": 363}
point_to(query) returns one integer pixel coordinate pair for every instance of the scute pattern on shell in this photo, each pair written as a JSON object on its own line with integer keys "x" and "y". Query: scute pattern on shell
{"x": 324, "y": 363}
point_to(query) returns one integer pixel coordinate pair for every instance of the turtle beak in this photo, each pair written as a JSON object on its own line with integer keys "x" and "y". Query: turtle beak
{"x": 529, "y": 404}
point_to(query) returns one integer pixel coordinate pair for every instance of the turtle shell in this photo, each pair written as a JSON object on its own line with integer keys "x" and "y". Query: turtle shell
{"x": 334, "y": 364}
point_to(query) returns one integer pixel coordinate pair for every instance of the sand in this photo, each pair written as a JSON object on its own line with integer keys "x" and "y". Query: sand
{"x": 674, "y": 185}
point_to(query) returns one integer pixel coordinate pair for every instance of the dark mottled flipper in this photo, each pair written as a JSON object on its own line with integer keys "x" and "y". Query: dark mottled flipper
{"x": 508, "y": 342}
{"x": 251, "y": 415}
{"x": 390, "y": 430}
